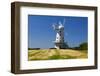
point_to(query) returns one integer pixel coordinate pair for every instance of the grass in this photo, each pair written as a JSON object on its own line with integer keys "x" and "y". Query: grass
{"x": 61, "y": 57}
{"x": 51, "y": 54}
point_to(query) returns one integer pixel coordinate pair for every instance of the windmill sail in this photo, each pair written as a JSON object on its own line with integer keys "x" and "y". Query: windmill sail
{"x": 64, "y": 22}
{"x": 55, "y": 27}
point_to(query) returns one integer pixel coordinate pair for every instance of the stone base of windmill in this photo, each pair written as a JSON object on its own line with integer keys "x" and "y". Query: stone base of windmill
{"x": 61, "y": 45}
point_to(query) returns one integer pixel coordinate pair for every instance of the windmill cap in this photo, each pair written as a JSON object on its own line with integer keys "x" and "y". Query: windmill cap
{"x": 61, "y": 27}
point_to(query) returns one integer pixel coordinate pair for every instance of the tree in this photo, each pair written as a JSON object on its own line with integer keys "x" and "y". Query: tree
{"x": 83, "y": 46}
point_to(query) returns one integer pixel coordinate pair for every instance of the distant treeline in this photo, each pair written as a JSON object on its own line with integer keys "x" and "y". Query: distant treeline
{"x": 82, "y": 46}
{"x": 38, "y": 48}
{"x": 33, "y": 48}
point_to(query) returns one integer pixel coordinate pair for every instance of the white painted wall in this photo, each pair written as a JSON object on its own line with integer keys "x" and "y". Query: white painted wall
{"x": 5, "y": 42}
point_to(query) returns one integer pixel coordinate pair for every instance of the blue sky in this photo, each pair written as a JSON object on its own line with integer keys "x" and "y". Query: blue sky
{"x": 42, "y": 35}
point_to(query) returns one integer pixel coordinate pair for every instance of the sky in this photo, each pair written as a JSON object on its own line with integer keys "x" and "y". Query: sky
{"x": 42, "y": 35}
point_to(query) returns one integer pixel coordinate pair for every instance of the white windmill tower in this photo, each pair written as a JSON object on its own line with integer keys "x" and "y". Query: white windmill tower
{"x": 59, "y": 42}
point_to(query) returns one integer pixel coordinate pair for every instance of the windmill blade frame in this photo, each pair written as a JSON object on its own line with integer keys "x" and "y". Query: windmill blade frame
{"x": 55, "y": 27}
{"x": 64, "y": 21}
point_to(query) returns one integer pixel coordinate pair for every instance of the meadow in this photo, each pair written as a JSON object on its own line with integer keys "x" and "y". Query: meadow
{"x": 51, "y": 54}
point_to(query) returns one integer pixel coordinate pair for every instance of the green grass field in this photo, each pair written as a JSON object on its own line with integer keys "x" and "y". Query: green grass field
{"x": 50, "y": 54}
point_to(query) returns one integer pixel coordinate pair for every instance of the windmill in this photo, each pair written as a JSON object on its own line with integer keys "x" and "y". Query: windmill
{"x": 59, "y": 28}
